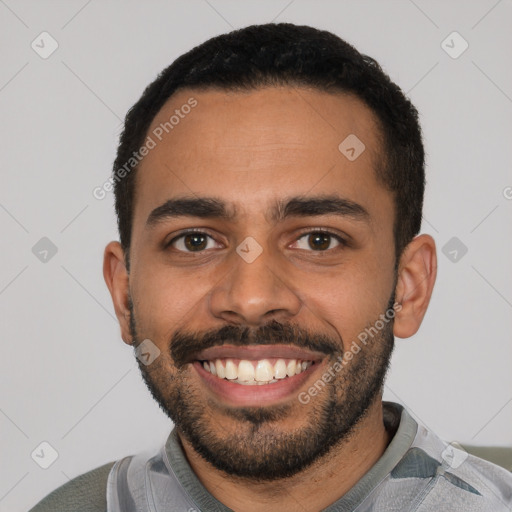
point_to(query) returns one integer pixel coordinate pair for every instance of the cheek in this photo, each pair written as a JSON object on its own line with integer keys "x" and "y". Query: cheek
{"x": 165, "y": 300}
{"x": 348, "y": 301}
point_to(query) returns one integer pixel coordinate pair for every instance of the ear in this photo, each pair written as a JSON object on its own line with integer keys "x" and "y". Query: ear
{"x": 417, "y": 272}
{"x": 117, "y": 279}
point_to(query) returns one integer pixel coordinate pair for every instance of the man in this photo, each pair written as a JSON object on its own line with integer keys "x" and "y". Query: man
{"x": 269, "y": 188}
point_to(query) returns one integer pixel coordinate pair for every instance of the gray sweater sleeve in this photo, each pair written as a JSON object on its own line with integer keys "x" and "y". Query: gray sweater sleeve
{"x": 85, "y": 493}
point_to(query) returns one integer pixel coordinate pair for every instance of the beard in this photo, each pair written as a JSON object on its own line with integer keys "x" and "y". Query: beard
{"x": 260, "y": 448}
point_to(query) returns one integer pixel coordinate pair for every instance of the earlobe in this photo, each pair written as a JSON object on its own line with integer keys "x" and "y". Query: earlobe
{"x": 416, "y": 278}
{"x": 117, "y": 280}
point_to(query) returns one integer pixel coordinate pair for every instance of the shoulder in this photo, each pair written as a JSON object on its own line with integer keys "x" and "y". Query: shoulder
{"x": 85, "y": 493}
{"x": 474, "y": 486}
{"x": 493, "y": 482}
{"x": 454, "y": 476}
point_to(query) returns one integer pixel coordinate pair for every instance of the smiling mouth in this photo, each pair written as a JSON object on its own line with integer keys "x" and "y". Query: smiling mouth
{"x": 255, "y": 372}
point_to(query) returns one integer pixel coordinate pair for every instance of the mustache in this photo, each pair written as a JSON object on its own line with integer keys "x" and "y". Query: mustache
{"x": 185, "y": 345}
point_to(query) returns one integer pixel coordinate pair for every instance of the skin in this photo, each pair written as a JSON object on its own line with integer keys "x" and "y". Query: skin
{"x": 251, "y": 149}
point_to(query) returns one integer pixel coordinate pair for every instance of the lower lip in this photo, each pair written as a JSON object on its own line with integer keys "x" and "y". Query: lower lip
{"x": 258, "y": 394}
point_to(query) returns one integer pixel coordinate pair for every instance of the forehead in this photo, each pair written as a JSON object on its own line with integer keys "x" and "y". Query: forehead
{"x": 249, "y": 148}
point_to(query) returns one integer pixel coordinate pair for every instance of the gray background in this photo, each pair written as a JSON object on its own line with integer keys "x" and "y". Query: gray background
{"x": 67, "y": 378}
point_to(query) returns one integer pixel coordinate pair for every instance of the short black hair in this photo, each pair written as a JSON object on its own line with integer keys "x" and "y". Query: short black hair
{"x": 285, "y": 54}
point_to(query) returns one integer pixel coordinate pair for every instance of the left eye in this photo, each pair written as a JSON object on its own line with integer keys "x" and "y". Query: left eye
{"x": 318, "y": 241}
{"x": 193, "y": 242}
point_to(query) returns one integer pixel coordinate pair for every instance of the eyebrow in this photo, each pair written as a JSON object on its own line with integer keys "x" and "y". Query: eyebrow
{"x": 202, "y": 207}
{"x": 316, "y": 206}
{"x": 300, "y": 206}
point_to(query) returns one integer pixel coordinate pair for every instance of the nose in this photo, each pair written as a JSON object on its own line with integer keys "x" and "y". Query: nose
{"x": 254, "y": 293}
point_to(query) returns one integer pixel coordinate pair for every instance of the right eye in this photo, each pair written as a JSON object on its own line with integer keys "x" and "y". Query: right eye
{"x": 193, "y": 241}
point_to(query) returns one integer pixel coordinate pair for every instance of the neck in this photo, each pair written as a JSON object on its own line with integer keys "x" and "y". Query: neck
{"x": 316, "y": 487}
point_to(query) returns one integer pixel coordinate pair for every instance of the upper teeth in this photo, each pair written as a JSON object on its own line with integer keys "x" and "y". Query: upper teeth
{"x": 263, "y": 371}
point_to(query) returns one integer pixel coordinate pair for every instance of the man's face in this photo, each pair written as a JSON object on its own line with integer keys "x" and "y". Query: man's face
{"x": 276, "y": 286}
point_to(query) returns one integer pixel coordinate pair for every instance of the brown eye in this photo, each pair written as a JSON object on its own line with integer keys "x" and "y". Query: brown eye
{"x": 318, "y": 241}
{"x": 193, "y": 242}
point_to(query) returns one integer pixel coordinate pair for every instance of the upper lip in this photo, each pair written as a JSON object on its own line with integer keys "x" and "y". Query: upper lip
{"x": 257, "y": 352}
